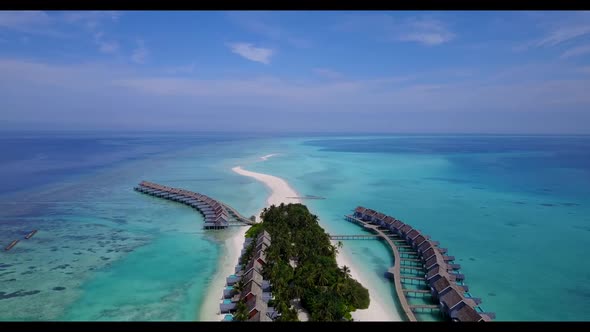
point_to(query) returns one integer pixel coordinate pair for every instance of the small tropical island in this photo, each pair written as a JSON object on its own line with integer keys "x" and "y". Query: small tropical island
{"x": 288, "y": 272}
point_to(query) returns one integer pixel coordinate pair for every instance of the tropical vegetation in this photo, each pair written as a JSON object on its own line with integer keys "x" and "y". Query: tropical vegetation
{"x": 301, "y": 265}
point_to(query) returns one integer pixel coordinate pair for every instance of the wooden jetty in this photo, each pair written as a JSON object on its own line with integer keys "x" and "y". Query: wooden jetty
{"x": 11, "y": 245}
{"x": 424, "y": 308}
{"x": 217, "y": 214}
{"x": 30, "y": 235}
{"x": 431, "y": 266}
{"x": 354, "y": 237}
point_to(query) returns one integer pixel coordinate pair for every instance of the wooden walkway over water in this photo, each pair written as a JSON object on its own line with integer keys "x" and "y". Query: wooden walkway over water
{"x": 355, "y": 237}
{"x": 217, "y": 214}
{"x": 419, "y": 261}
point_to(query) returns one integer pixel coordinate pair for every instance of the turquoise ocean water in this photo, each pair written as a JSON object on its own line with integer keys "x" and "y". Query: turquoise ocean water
{"x": 513, "y": 210}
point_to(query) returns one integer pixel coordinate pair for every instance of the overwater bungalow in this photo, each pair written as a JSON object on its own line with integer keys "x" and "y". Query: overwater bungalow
{"x": 465, "y": 313}
{"x": 440, "y": 286}
{"x": 405, "y": 230}
{"x": 397, "y": 224}
{"x": 388, "y": 221}
{"x": 222, "y": 220}
{"x": 359, "y": 212}
{"x": 441, "y": 274}
{"x": 424, "y": 247}
{"x": 368, "y": 215}
{"x": 428, "y": 253}
{"x": 412, "y": 235}
{"x": 449, "y": 300}
{"x": 431, "y": 262}
{"x": 418, "y": 241}
{"x": 379, "y": 218}
{"x": 434, "y": 272}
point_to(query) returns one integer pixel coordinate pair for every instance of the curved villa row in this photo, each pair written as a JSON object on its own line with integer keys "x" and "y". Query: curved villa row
{"x": 217, "y": 215}
{"x": 420, "y": 262}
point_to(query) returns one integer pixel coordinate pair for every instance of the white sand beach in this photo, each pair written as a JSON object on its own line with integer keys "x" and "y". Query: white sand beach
{"x": 231, "y": 252}
{"x": 268, "y": 156}
{"x": 280, "y": 192}
{"x": 378, "y": 310}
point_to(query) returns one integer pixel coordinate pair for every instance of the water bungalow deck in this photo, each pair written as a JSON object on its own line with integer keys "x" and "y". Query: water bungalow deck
{"x": 30, "y": 235}
{"x": 217, "y": 214}
{"x": 435, "y": 268}
{"x": 11, "y": 245}
{"x": 354, "y": 237}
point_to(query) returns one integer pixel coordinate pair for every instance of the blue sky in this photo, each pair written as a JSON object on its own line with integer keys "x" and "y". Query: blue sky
{"x": 492, "y": 72}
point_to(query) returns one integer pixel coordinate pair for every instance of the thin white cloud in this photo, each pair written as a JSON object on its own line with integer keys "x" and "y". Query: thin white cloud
{"x": 140, "y": 54}
{"x": 558, "y": 30}
{"x": 385, "y": 27}
{"x": 388, "y": 94}
{"x": 576, "y": 51}
{"x": 564, "y": 34}
{"x": 425, "y": 31}
{"x": 256, "y": 22}
{"x": 23, "y": 20}
{"x": 252, "y": 53}
{"x": 30, "y": 22}
{"x": 105, "y": 46}
{"x": 91, "y": 18}
{"x": 108, "y": 47}
{"x": 299, "y": 42}
{"x": 187, "y": 69}
{"x": 328, "y": 73}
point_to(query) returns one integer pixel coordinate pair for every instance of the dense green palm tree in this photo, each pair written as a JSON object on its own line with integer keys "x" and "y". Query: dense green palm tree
{"x": 346, "y": 271}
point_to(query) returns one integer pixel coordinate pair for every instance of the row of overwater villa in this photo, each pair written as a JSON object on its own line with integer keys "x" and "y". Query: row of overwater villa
{"x": 255, "y": 291}
{"x": 423, "y": 264}
{"x": 217, "y": 215}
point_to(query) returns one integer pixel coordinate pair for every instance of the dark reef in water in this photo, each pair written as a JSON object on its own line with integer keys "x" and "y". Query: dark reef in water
{"x": 570, "y": 204}
{"x": 19, "y": 293}
{"x": 62, "y": 267}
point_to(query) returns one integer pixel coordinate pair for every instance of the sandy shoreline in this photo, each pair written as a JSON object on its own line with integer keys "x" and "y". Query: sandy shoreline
{"x": 281, "y": 192}
{"x": 378, "y": 310}
{"x": 232, "y": 247}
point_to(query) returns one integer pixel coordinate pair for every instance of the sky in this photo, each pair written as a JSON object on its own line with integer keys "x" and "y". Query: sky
{"x": 288, "y": 71}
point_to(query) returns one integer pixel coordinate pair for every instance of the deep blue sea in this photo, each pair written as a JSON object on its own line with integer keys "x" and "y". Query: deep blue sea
{"x": 514, "y": 210}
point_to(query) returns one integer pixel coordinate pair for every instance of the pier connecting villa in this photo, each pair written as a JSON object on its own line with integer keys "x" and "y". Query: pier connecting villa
{"x": 217, "y": 215}
{"x": 247, "y": 285}
{"x": 425, "y": 277}
{"x": 15, "y": 242}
